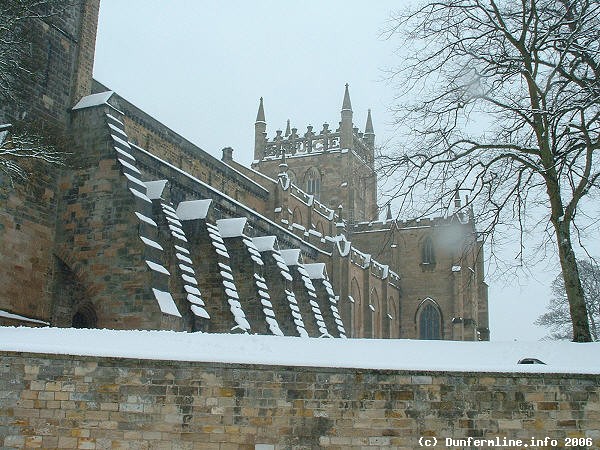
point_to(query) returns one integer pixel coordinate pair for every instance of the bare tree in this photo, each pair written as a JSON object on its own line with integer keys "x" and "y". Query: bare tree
{"x": 24, "y": 145}
{"x": 19, "y": 55}
{"x": 558, "y": 319}
{"x": 528, "y": 70}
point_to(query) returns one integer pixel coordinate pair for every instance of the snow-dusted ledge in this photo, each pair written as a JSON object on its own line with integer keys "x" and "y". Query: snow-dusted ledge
{"x": 560, "y": 357}
{"x": 7, "y": 315}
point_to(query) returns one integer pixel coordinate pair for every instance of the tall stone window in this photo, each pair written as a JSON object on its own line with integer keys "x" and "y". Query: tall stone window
{"x": 313, "y": 182}
{"x": 430, "y": 321}
{"x": 427, "y": 252}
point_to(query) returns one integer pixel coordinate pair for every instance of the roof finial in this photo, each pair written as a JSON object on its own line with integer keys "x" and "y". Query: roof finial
{"x": 457, "y": 202}
{"x": 260, "y": 116}
{"x": 369, "y": 125}
{"x": 288, "y": 131}
{"x": 283, "y": 166}
{"x": 346, "y": 105}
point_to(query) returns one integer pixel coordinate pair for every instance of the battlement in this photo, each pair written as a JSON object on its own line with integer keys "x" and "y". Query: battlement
{"x": 291, "y": 143}
{"x": 460, "y": 217}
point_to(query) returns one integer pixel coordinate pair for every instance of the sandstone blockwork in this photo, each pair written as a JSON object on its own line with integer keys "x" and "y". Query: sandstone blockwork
{"x": 126, "y": 235}
{"x": 100, "y": 403}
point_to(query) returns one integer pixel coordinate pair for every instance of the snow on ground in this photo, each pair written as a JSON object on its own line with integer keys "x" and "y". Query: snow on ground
{"x": 393, "y": 354}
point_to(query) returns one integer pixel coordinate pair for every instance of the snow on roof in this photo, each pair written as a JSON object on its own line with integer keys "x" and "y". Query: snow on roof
{"x": 193, "y": 209}
{"x": 114, "y": 119}
{"x": 231, "y": 199}
{"x": 232, "y": 227}
{"x": 187, "y": 269}
{"x": 154, "y": 189}
{"x": 291, "y": 256}
{"x": 176, "y": 229}
{"x": 157, "y": 267}
{"x": 117, "y": 130}
{"x": 173, "y": 221}
{"x": 183, "y": 258}
{"x": 188, "y": 279}
{"x": 135, "y": 180}
{"x": 215, "y": 236}
{"x": 316, "y": 271}
{"x": 265, "y": 243}
{"x": 343, "y": 245}
{"x": 266, "y": 177}
{"x": 120, "y": 141}
{"x": 191, "y": 290}
{"x": 179, "y": 236}
{"x": 165, "y": 302}
{"x": 18, "y": 317}
{"x": 181, "y": 249}
{"x": 199, "y": 311}
{"x": 247, "y": 177}
{"x": 129, "y": 166}
{"x": 151, "y": 243}
{"x": 93, "y": 100}
{"x": 146, "y": 219}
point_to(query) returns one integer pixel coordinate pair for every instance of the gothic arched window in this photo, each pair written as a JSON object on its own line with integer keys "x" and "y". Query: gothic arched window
{"x": 427, "y": 253}
{"x": 313, "y": 182}
{"x": 430, "y": 322}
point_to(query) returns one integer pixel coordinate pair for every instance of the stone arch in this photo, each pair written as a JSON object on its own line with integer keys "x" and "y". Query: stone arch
{"x": 355, "y": 307}
{"x": 85, "y": 316}
{"x": 70, "y": 305}
{"x": 312, "y": 182}
{"x": 428, "y": 320}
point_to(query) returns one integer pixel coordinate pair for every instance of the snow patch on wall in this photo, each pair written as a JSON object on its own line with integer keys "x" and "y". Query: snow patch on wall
{"x": 232, "y": 227}
{"x": 193, "y": 209}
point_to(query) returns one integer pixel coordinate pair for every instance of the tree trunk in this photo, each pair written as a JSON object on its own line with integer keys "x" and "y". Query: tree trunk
{"x": 573, "y": 289}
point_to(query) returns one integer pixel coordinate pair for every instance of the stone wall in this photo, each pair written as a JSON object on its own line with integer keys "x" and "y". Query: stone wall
{"x": 344, "y": 180}
{"x": 49, "y": 401}
{"x": 61, "y": 49}
{"x": 153, "y": 136}
{"x": 27, "y": 214}
{"x": 453, "y": 281}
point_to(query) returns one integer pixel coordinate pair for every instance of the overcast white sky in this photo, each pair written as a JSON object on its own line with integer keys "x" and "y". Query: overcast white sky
{"x": 200, "y": 67}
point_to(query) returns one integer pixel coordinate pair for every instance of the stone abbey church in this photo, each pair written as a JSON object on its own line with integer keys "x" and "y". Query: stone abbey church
{"x": 141, "y": 229}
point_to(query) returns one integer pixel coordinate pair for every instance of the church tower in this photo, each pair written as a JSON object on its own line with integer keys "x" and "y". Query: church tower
{"x": 335, "y": 166}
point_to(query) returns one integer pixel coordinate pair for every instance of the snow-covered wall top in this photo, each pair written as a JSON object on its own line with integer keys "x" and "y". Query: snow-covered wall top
{"x": 385, "y": 354}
